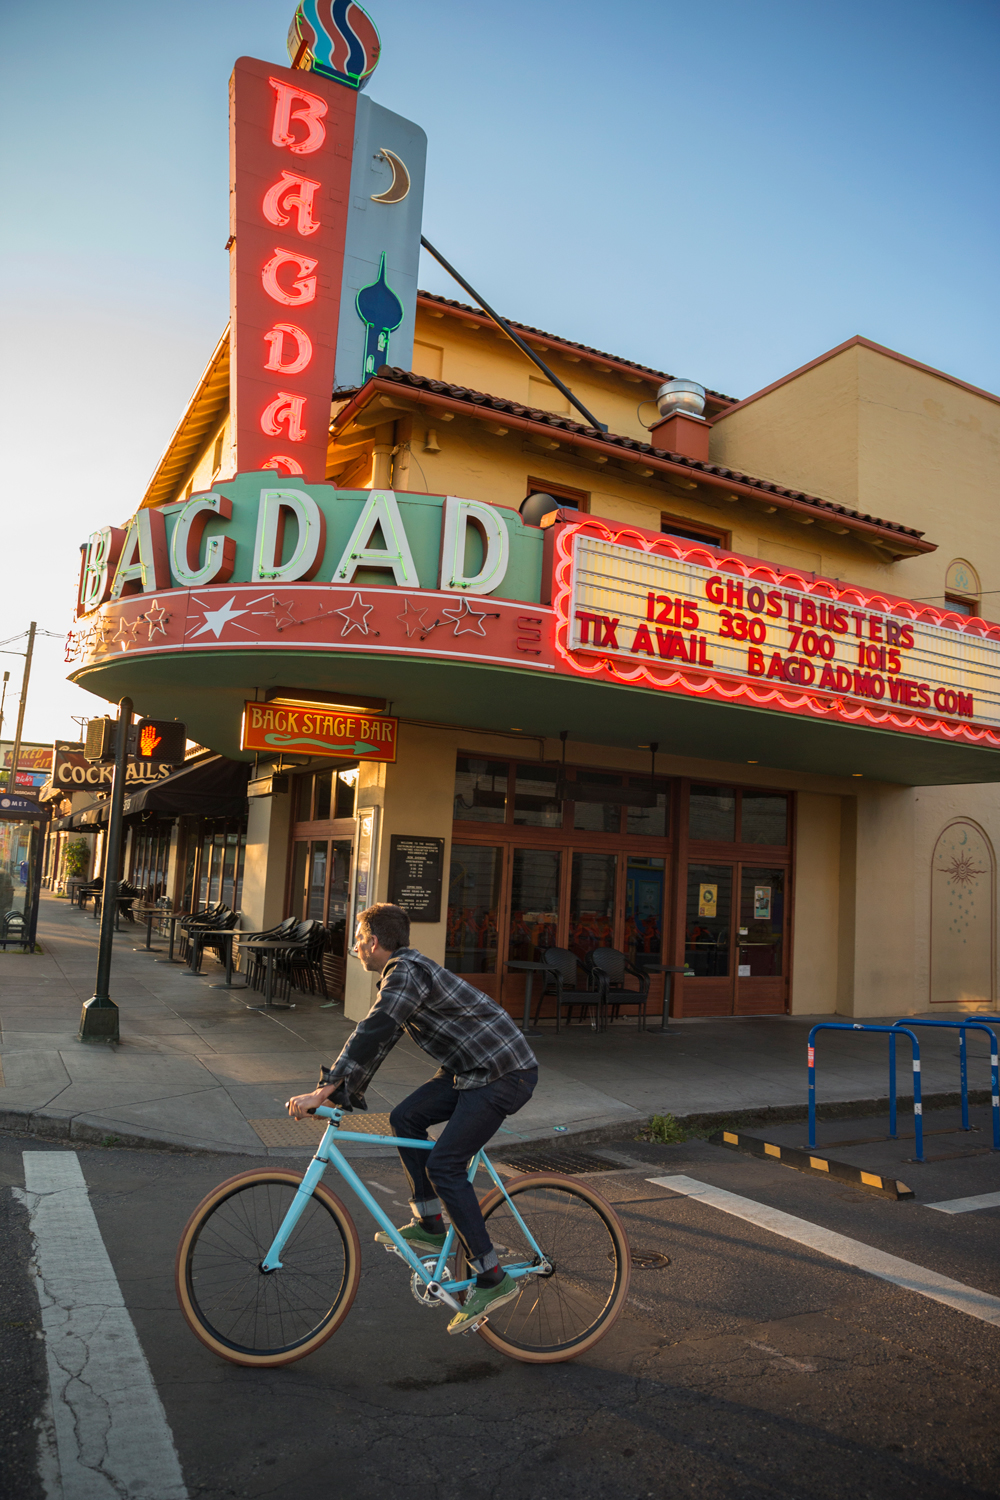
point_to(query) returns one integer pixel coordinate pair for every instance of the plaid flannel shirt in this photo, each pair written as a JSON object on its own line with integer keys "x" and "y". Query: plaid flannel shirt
{"x": 453, "y": 1022}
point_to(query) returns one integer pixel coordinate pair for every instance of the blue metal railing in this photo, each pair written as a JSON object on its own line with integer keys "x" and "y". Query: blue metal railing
{"x": 892, "y": 1032}
{"x": 962, "y": 1027}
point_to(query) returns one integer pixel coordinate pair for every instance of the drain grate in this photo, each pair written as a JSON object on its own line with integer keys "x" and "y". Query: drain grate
{"x": 568, "y": 1163}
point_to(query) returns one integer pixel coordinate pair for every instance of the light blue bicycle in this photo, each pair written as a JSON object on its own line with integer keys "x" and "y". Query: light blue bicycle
{"x": 269, "y": 1262}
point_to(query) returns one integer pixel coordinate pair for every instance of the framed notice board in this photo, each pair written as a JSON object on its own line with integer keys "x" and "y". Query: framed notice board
{"x": 416, "y": 869}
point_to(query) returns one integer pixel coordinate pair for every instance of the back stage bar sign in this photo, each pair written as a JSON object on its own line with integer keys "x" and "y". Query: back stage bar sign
{"x": 307, "y": 730}
{"x": 665, "y": 615}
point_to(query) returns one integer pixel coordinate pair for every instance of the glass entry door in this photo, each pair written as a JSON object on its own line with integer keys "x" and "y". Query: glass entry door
{"x": 735, "y": 940}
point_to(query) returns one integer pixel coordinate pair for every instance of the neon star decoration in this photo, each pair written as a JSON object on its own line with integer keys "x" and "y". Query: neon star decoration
{"x": 156, "y": 617}
{"x": 127, "y": 632}
{"x": 468, "y": 621}
{"x": 355, "y": 616}
{"x": 412, "y": 619}
{"x": 216, "y": 620}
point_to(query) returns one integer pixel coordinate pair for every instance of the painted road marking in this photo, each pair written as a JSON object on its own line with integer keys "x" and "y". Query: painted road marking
{"x": 111, "y": 1432}
{"x": 966, "y": 1205}
{"x": 902, "y": 1273}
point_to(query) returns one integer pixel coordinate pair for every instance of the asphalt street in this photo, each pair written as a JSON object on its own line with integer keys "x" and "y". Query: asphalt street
{"x": 750, "y": 1366}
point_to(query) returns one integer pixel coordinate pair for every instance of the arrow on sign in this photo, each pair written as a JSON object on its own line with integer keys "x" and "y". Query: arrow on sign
{"x": 293, "y": 741}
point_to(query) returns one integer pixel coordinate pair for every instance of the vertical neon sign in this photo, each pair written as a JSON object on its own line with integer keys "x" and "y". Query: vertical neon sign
{"x": 291, "y": 150}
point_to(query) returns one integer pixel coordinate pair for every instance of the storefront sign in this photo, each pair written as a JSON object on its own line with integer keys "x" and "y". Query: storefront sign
{"x": 29, "y": 757}
{"x": 72, "y": 772}
{"x": 640, "y": 608}
{"x": 318, "y": 731}
{"x": 416, "y": 866}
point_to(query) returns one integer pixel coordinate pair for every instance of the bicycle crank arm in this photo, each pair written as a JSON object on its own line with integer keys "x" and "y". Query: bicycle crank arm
{"x": 435, "y": 1289}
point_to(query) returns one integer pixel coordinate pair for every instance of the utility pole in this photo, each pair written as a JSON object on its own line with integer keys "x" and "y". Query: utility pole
{"x": 12, "y": 778}
{"x": 3, "y": 700}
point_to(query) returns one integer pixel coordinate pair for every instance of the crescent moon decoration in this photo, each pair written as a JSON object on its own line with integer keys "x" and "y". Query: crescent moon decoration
{"x": 400, "y": 184}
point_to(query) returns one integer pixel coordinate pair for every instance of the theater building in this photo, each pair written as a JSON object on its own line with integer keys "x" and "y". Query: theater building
{"x": 723, "y": 694}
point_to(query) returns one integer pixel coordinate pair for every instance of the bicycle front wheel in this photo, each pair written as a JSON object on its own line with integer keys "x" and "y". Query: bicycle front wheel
{"x": 562, "y": 1312}
{"x": 255, "y": 1317}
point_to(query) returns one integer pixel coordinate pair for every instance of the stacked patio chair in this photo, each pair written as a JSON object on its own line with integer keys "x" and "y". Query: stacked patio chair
{"x": 562, "y": 982}
{"x": 303, "y": 963}
{"x": 611, "y": 969}
{"x": 256, "y": 963}
{"x": 207, "y": 918}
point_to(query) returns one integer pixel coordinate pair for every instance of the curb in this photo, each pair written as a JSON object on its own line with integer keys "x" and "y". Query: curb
{"x": 86, "y": 1131}
{"x": 818, "y": 1166}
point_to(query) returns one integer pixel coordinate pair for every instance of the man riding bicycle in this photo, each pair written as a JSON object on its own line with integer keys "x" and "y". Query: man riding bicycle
{"x": 487, "y": 1072}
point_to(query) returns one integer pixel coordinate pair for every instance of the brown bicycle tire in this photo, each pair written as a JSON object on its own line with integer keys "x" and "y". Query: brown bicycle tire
{"x": 616, "y": 1304}
{"x": 200, "y": 1216}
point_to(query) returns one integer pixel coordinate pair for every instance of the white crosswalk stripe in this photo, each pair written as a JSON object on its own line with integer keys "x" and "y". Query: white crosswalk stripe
{"x": 966, "y": 1205}
{"x": 112, "y": 1438}
{"x": 892, "y": 1268}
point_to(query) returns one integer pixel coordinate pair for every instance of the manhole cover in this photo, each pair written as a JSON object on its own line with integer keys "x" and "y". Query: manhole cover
{"x": 650, "y": 1260}
{"x": 567, "y": 1163}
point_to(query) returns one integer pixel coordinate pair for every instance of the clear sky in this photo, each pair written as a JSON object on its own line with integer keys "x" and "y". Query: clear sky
{"x": 721, "y": 191}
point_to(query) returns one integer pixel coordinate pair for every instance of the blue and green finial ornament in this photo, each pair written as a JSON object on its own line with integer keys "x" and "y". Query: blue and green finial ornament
{"x": 336, "y": 38}
{"x": 380, "y": 308}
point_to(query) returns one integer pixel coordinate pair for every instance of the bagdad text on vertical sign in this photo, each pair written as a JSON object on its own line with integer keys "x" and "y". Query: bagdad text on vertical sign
{"x": 416, "y": 868}
{"x": 291, "y": 147}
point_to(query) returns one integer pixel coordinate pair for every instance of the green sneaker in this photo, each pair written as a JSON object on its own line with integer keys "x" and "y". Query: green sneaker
{"x": 480, "y": 1301}
{"x": 415, "y": 1235}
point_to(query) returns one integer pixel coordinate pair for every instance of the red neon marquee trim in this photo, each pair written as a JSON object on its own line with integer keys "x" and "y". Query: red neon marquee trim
{"x": 724, "y": 688}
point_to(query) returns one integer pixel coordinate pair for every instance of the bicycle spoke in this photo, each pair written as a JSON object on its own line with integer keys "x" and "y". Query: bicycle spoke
{"x": 257, "y": 1311}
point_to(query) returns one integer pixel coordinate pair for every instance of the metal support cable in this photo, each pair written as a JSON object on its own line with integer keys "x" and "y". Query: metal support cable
{"x": 515, "y": 337}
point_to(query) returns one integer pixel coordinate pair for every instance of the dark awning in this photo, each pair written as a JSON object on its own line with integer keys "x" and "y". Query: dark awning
{"x": 215, "y": 788}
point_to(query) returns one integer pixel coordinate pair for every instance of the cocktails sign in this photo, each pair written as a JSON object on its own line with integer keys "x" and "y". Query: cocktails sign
{"x": 300, "y": 729}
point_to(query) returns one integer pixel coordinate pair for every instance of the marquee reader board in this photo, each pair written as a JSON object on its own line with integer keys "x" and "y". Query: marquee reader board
{"x": 654, "y": 613}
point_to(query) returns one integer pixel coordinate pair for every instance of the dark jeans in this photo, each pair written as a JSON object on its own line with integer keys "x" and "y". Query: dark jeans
{"x": 474, "y": 1116}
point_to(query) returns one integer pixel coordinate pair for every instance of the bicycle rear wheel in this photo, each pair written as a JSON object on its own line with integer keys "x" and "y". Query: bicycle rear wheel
{"x": 561, "y": 1314}
{"x": 253, "y": 1317}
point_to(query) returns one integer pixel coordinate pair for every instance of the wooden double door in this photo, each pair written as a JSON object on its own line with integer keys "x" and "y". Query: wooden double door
{"x": 736, "y": 933}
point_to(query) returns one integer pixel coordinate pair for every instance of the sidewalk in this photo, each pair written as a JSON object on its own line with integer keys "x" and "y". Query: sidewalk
{"x": 196, "y": 1069}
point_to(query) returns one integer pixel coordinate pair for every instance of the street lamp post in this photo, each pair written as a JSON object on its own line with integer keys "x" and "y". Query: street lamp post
{"x": 99, "y": 1015}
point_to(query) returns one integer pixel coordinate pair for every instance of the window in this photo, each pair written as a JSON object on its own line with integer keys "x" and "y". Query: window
{"x": 534, "y": 903}
{"x": 347, "y": 782}
{"x": 535, "y": 803}
{"x": 217, "y": 453}
{"x": 644, "y": 889}
{"x": 591, "y": 902}
{"x": 322, "y": 796}
{"x": 960, "y": 606}
{"x": 764, "y": 818}
{"x": 568, "y": 498}
{"x": 706, "y": 933}
{"x": 693, "y": 531}
{"x": 480, "y": 790}
{"x": 598, "y": 817}
{"x": 652, "y": 821}
{"x": 473, "y": 907}
{"x": 712, "y": 813}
